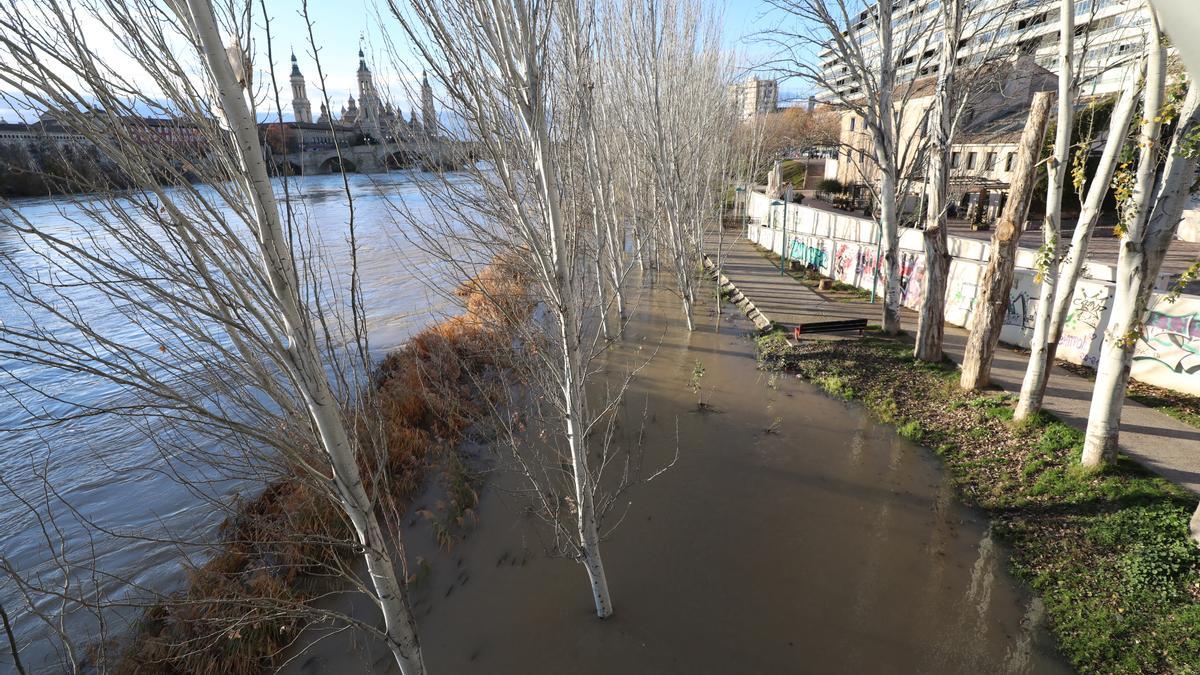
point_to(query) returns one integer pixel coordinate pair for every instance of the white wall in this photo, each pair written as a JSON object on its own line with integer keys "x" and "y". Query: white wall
{"x": 845, "y": 247}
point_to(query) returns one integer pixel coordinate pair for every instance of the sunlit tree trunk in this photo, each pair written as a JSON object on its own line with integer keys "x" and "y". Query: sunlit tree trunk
{"x": 1143, "y": 247}
{"x": 1033, "y": 387}
{"x": 988, "y": 317}
{"x": 1071, "y": 267}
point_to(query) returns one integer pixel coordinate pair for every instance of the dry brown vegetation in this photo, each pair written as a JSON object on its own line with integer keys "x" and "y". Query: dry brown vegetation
{"x": 243, "y": 606}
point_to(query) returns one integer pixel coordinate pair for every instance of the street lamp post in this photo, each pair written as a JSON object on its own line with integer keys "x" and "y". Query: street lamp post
{"x": 787, "y": 199}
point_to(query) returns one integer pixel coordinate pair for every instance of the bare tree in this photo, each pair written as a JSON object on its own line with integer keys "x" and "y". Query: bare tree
{"x": 932, "y": 321}
{"x": 262, "y": 348}
{"x": 1069, "y": 267}
{"x": 1150, "y": 217}
{"x": 494, "y": 62}
{"x": 988, "y": 317}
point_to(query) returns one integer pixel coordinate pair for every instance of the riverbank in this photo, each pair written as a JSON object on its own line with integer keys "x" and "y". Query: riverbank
{"x": 291, "y": 544}
{"x": 1108, "y": 552}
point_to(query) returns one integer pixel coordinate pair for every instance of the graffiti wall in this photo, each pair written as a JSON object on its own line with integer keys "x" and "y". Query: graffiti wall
{"x": 1021, "y": 313}
{"x": 844, "y": 247}
{"x": 961, "y": 291}
{"x": 912, "y": 279}
{"x": 1168, "y": 353}
{"x": 1083, "y": 327}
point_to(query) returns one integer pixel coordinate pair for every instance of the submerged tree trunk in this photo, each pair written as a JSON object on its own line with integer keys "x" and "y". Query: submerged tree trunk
{"x": 992, "y": 303}
{"x": 1142, "y": 251}
{"x": 1038, "y": 369}
{"x": 301, "y": 355}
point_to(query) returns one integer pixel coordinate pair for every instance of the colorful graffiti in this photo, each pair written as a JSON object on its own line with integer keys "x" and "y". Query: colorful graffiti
{"x": 843, "y": 263}
{"x": 912, "y": 279}
{"x": 865, "y": 265}
{"x": 809, "y": 255}
{"x": 1172, "y": 341}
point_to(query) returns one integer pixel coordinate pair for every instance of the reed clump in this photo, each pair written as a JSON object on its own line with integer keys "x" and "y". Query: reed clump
{"x": 243, "y": 606}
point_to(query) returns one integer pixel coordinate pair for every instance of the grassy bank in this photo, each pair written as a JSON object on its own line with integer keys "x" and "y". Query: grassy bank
{"x": 291, "y": 543}
{"x": 1107, "y": 552}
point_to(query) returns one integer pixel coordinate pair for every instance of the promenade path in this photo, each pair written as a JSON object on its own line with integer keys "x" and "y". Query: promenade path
{"x": 1157, "y": 441}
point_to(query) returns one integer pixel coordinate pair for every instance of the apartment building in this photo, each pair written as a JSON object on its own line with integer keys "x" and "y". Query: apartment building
{"x": 755, "y": 96}
{"x": 1108, "y": 34}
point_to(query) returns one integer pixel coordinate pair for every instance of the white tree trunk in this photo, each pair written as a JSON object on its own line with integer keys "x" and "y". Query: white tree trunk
{"x": 1142, "y": 251}
{"x": 885, "y": 151}
{"x": 1071, "y": 267}
{"x": 932, "y": 322}
{"x": 1038, "y": 369}
{"x": 301, "y": 354}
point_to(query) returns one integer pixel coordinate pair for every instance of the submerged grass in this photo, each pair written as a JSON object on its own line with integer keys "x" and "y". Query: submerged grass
{"x": 1107, "y": 551}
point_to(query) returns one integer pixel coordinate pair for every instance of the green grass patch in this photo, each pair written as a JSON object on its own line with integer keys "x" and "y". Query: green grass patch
{"x": 1106, "y": 550}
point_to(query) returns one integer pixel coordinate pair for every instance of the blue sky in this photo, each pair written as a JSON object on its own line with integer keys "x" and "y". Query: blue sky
{"x": 340, "y": 24}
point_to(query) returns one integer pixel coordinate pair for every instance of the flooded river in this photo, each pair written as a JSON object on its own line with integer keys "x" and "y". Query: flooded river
{"x": 794, "y": 535}
{"x": 105, "y": 469}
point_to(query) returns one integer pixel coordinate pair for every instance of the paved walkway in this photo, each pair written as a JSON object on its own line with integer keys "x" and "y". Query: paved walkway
{"x": 1163, "y": 444}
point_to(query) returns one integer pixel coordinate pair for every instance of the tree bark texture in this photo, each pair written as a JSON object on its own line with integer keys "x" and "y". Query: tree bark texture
{"x": 988, "y": 317}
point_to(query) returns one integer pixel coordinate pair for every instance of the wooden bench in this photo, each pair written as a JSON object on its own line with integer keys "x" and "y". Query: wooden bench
{"x": 844, "y": 326}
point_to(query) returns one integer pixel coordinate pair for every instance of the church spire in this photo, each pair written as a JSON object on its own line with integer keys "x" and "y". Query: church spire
{"x": 428, "y": 113}
{"x": 300, "y": 105}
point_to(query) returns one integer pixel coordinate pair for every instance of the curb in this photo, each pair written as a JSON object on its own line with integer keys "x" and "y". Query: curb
{"x": 761, "y": 321}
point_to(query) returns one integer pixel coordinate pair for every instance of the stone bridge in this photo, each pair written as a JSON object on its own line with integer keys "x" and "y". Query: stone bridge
{"x": 375, "y": 158}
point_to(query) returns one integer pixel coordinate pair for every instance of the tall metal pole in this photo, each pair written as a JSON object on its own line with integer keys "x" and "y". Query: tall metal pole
{"x": 787, "y": 199}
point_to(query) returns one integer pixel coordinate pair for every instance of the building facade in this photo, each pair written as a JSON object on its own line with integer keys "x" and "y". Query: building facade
{"x": 1109, "y": 35}
{"x": 755, "y": 97}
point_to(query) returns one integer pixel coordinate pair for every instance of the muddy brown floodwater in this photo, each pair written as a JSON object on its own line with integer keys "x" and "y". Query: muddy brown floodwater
{"x": 826, "y": 545}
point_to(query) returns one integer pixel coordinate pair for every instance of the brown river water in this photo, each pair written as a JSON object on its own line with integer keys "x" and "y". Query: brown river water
{"x": 829, "y": 545}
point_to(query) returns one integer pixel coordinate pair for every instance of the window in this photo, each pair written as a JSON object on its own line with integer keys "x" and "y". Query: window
{"x": 853, "y": 120}
{"x": 970, "y": 161}
{"x": 954, "y": 156}
{"x": 1009, "y": 161}
{"x": 989, "y": 163}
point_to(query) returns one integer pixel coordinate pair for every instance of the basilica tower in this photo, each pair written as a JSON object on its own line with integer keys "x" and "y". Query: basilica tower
{"x": 428, "y": 113}
{"x": 300, "y": 105}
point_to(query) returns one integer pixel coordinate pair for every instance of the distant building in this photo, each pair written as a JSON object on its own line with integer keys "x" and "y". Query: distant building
{"x": 755, "y": 97}
{"x": 47, "y": 128}
{"x": 983, "y": 154}
{"x": 1111, "y": 31}
{"x": 369, "y": 115}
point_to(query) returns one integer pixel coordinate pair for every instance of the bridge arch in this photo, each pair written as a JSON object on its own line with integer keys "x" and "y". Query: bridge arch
{"x": 337, "y": 164}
